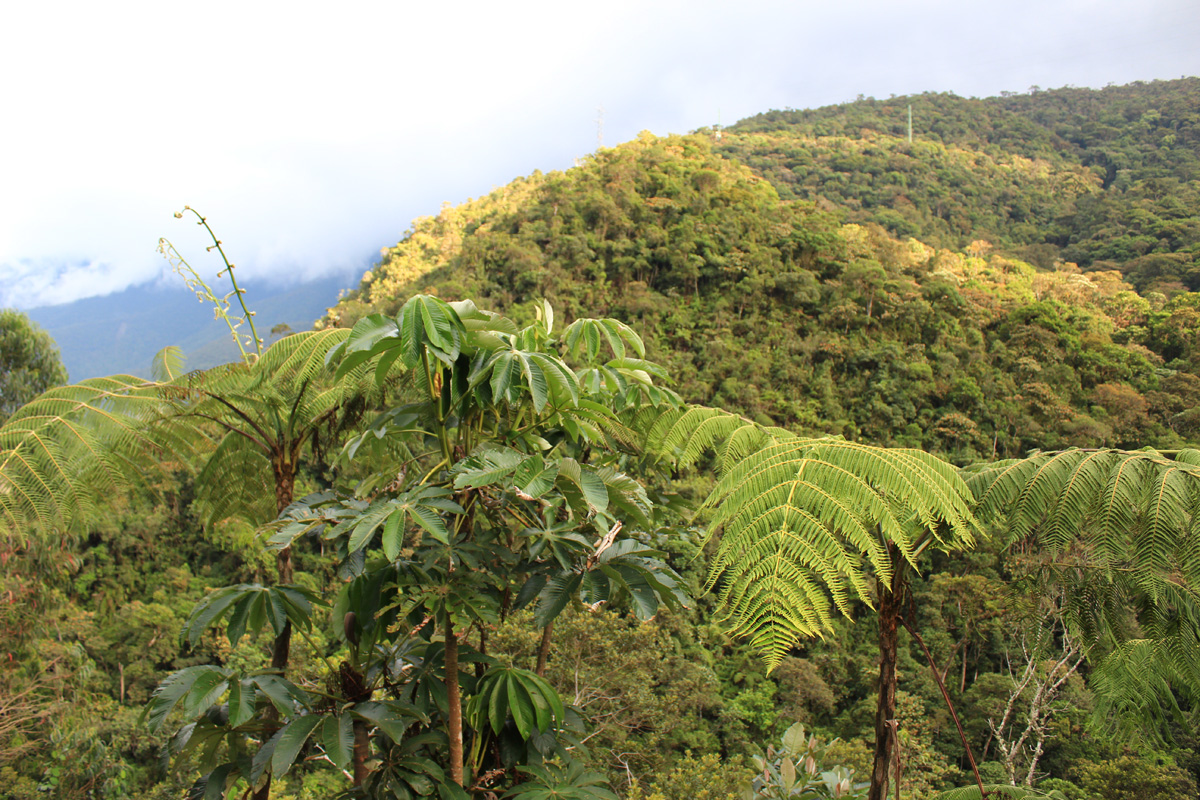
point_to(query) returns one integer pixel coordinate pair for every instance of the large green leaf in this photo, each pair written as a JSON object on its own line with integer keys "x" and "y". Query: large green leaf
{"x": 174, "y": 688}
{"x": 507, "y": 692}
{"x": 337, "y": 736}
{"x": 287, "y": 697}
{"x": 290, "y": 739}
{"x": 249, "y": 606}
{"x": 428, "y": 324}
{"x": 391, "y": 717}
{"x": 370, "y": 336}
{"x": 241, "y": 702}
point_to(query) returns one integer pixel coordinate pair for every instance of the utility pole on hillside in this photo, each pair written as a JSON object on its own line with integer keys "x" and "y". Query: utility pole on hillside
{"x": 910, "y": 123}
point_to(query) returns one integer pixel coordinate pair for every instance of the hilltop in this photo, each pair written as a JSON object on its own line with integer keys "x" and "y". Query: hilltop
{"x": 816, "y": 270}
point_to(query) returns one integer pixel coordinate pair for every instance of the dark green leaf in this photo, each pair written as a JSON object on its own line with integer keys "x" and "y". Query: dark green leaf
{"x": 291, "y": 738}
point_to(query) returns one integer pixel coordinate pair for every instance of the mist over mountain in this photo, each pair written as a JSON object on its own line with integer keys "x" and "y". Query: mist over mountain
{"x": 120, "y": 333}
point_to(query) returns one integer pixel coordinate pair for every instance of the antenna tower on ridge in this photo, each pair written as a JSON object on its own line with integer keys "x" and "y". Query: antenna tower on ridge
{"x": 600, "y": 128}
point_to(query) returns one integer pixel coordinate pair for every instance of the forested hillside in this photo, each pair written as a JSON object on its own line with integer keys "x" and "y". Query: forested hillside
{"x": 776, "y": 308}
{"x": 1106, "y": 179}
{"x": 481, "y": 517}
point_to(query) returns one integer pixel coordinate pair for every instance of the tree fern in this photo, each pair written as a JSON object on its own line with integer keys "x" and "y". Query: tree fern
{"x": 806, "y": 523}
{"x": 235, "y": 482}
{"x": 1118, "y": 530}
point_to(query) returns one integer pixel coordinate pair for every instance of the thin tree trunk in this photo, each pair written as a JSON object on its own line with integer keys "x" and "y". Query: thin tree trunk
{"x": 891, "y": 608}
{"x": 949, "y": 705}
{"x": 480, "y": 666}
{"x": 285, "y": 486}
{"x": 962, "y": 686}
{"x": 362, "y": 752}
{"x": 454, "y": 698}
{"x": 544, "y": 649}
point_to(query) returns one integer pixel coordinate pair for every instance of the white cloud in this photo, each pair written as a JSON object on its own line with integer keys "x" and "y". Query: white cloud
{"x": 311, "y": 136}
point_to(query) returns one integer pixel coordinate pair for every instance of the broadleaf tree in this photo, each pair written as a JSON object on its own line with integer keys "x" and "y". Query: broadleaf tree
{"x": 496, "y": 482}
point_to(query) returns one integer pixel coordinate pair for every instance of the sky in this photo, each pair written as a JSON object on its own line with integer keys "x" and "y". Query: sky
{"x": 311, "y": 135}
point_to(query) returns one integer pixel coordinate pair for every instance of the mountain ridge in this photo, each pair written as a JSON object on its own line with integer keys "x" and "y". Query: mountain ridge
{"x": 120, "y": 333}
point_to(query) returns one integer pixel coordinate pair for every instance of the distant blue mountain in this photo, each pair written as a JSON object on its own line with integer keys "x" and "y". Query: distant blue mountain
{"x": 121, "y": 332}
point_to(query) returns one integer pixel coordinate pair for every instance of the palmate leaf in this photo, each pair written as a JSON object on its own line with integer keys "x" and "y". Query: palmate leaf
{"x": 391, "y": 716}
{"x": 371, "y": 336}
{"x": 176, "y": 687}
{"x": 583, "y": 487}
{"x": 429, "y": 324}
{"x": 423, "y": 505}
{"x": 584, "y": 336}
{"x": 337, "y": 736}
{"x": 511, "y": 373}
{"x": 197, "y": 690}
{"x": 249, "y": 606}
{"x": 290, "y": 739}
{"x": 554, "y": 596}
{"x": 551, "y": 781}
{"x": 508, "y": 692}
{"x": 486, "y": 467}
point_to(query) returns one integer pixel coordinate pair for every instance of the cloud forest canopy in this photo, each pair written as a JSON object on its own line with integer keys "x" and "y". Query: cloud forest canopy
{"x": 490, "y": 467}
{"x": 975, "y": 347}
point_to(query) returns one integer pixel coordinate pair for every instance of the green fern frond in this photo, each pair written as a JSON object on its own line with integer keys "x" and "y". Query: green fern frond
{"x": 807, "y": 522}
{"x": 70, "y": 447}
{"x": 681, "y": 436}
{"x": 1117, "y": 532}
{"x": 1130, "y": 511}
{"x": 236, "y": 481}
{"x": 299, "y": 359}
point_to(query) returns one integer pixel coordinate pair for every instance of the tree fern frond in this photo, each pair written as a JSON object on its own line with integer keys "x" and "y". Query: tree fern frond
{"x": 1138, "y": 682}
{"x": 236, "y": 481}
{"x": 74, "y": 445}
{"x": 806, "y": 522}
{"x": 1132, "y": 510}
{"x": 1117, "y": 530}
{"x": 300, "y": 357}
{"x": 681, "y": 436}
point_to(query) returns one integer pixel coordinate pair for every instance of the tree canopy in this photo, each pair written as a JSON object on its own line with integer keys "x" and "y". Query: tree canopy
{"x": 29, "y": 362}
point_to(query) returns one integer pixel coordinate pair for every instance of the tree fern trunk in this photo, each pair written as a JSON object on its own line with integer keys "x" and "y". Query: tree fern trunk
{"x": 544, "y": 649}
{"x": 454, "y": 699}
{"x": 285, "y": 487}
{"x": 891, "y": 607}
{"x": 281, "y": 648}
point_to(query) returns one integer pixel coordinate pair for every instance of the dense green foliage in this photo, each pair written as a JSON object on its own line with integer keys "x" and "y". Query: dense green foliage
{"x": 1107, "y": 179}
{"x": 770, "y": 273}
{"x": 772, "y": 308}
{"x": 29, "y": 362}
